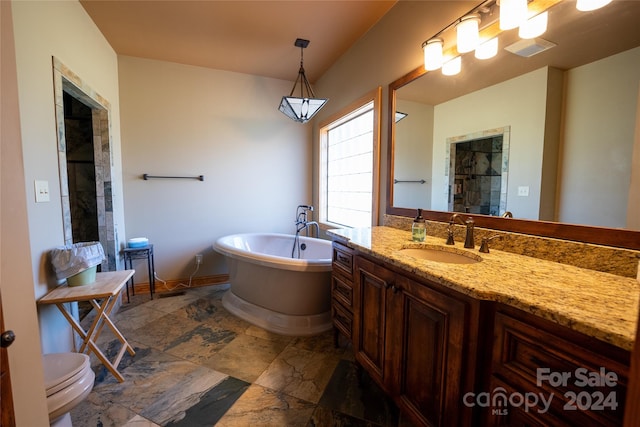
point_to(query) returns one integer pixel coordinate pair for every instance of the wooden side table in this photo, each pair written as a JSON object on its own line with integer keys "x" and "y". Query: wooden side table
{"x": 103, "y": 295}
{"x": 145, "y": 252}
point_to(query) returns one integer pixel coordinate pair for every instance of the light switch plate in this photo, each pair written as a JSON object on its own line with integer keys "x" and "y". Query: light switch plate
{"x": 523, "y": 191}
{"x": 42, "y": 191}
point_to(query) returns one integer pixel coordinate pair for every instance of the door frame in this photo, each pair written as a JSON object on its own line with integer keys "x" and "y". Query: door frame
{"x": 65, "y": 80}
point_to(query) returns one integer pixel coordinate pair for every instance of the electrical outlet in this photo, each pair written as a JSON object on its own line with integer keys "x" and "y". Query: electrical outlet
{"x": 198, "y": 259}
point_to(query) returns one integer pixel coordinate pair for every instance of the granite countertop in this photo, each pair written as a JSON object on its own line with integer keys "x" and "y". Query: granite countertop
{"x": 601, "y": 305}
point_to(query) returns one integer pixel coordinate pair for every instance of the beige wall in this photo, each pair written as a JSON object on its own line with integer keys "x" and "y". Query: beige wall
{"x": 62, "y": 29}
{"x": 16, "y": 280}
{"x": 601, "y": 103}
{"x": 180, "y": 120}
{"x": 413, "y": 157}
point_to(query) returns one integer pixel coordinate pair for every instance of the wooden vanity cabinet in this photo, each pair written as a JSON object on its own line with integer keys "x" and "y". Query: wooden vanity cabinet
{"x": 417, "y": 341}
{"x": 342, "y": 291}
{"x": 584, "y": 379}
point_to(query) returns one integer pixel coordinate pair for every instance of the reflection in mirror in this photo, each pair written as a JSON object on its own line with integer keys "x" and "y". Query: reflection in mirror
{"x": 477, "y": 166}
{"x": 571, "y": 116}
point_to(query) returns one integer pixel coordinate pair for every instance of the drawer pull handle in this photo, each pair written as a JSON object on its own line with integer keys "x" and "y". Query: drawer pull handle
{"x": 343, "y": 258}
{"x": 395, "y": 289}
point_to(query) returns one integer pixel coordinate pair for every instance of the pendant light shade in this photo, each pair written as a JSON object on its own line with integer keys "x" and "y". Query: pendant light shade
{"x": 512, "y": 13}
{"x": 301, "y": 108}
{"x": 534, "y": 27}
{"x": 432, "y": 54}
{"x": 467, "y": 32}
{"x": 587, "y": 5}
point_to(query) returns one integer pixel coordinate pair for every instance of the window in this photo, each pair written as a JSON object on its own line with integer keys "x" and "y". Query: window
{"x": 349, "y": 164}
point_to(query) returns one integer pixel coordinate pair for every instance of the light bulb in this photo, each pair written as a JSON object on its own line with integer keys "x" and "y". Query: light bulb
{"x": 467, "y": 31}
{"x": 452, "y": 67}
{"x": 534, "y": 27}
{"x": 487, "y": 49}
{"x": 512, "y": 13}
{"x": 587, "y": 5}
{"x": 432, "y": 54}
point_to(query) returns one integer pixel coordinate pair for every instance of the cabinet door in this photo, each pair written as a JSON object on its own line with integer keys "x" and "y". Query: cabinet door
{"x": 426, "y": 341}
{"x": 372, "y": 282}
{"x": 585, "y": 380}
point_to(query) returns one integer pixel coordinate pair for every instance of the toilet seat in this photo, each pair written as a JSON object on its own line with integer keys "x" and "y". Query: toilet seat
{"x": 68, "y": 380}
{"x": 62, "y": 369}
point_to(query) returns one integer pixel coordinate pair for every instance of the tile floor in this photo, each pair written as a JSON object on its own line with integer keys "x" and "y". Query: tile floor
{"x": 198, "y": 365}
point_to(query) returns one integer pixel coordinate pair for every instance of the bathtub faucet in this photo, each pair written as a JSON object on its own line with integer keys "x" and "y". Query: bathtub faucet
{"x": 301, "y": 220}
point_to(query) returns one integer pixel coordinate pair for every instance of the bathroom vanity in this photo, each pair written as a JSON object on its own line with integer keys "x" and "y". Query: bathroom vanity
{"x": 505, "y": 339}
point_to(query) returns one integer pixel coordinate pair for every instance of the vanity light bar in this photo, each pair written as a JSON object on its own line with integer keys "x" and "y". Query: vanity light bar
{"x": 481, "y": 34}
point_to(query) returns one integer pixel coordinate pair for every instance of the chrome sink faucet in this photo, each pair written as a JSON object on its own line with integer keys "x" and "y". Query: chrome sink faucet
{"x": 468, "y": 223}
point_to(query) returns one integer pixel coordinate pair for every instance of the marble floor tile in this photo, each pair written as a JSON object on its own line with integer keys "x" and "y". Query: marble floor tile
{"x": 299, "y": 373}
{"x": 210, "y": 311}
{"x": 197, "y": 364}
{"x": 110, "y": 350}
{"x": 327, "y": 417}
{"x": 356, "y": 394}
{"x": 139, "y": 421}
{"x": 246, "y": 357}
{"x": 260, "y": 406}
{"x": 201, "y": 343}
{"x": 170, "y": 304}
{"x": 212, "y": 405}
{"x": 258, "y": 332}
{"x": 321, "y": 343}
{"x": 165, "y": 332}
{"x": 130, "y": 320}
{"x": 159, "y": 386}
{"x": 99, "y": 411}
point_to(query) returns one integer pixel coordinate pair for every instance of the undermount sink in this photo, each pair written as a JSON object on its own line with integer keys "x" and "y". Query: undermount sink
{"x": 438, "y": 254}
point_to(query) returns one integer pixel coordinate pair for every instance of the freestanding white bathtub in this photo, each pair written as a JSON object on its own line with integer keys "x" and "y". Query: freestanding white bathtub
{"x": 270, "y": 289}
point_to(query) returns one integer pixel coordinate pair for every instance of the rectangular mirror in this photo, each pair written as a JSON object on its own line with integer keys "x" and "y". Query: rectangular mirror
{"x": 571, "y": 112}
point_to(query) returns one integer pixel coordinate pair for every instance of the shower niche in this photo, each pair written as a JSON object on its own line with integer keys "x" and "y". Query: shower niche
{"x": 478, "y": 166}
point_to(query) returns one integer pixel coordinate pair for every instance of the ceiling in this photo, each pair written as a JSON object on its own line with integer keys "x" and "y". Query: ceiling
{"x": 257, "y": 37}
{"x": 252, "y": 37}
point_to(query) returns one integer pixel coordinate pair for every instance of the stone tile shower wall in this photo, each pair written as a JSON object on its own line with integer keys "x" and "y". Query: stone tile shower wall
{"x": 477, "y": 176}
{"x": 81, "y": 169}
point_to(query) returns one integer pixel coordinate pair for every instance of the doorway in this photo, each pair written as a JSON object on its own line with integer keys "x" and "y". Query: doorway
{"x": 81, "y": 173}
{"x": 85, "y": 159}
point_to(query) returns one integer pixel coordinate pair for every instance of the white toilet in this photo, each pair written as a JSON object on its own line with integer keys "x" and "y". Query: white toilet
{"x": 68, "y": 380}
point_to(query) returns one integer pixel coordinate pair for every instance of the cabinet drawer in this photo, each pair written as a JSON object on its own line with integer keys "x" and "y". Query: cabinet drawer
{"x": 585, "y": 387}
{"x": 342, "y": 290}
{"x": 342, "y": 319}
{"x": 343, "y": 259}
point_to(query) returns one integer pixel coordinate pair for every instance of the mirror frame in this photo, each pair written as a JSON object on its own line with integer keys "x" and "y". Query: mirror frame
{"x": 616, "y": 237}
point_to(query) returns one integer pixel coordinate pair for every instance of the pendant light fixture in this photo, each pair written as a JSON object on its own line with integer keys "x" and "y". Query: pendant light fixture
{"x": 301, "y": 108}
